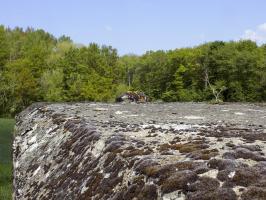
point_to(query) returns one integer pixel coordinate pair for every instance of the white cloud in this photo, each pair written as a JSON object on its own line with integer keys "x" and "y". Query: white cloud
{"x": 108, "y": 28}
{"x": 262, "y": 27}
{"x": 258, "y": 35}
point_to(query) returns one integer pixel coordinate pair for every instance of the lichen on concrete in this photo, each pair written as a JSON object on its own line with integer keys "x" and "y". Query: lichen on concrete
{"x": 140, "y": 151}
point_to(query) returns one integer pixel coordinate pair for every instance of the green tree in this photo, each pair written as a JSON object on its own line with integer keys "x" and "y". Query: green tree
{"x": 4, "y": 47}
{"x": 52, "y": 85}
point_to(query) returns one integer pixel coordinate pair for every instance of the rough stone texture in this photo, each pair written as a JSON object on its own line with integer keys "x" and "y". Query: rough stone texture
{"x": 140, "y": 151}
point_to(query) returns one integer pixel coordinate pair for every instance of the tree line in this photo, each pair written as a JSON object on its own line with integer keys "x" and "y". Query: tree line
{"x": 36, "y": 66}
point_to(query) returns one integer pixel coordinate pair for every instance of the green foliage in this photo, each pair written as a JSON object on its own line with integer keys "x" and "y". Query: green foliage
{"x": 4, "y": 48}
{"x": 17, "y": 85}
{"x": 36, "y": 66}
{"x": 120, "y": 89}
{"x": 235, "y": 91}
{"x": 52, "y": 85}
{"x": 169, "y": 96}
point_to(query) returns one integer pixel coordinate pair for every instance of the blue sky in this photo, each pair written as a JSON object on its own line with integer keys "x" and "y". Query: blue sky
{"x": 135, "y": 26}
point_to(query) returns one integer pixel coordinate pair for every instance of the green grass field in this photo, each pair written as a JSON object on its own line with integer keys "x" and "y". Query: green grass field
{"x": 6, "y": 129}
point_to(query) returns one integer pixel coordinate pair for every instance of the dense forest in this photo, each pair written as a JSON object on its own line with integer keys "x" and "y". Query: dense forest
{"x": 36, "y": 66}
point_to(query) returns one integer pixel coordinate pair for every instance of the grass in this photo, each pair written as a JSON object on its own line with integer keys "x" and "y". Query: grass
{"x": 6, "y": 128}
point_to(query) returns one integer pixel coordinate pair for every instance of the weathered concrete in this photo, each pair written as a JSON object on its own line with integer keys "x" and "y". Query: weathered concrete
{"x": 140, "y": 151}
